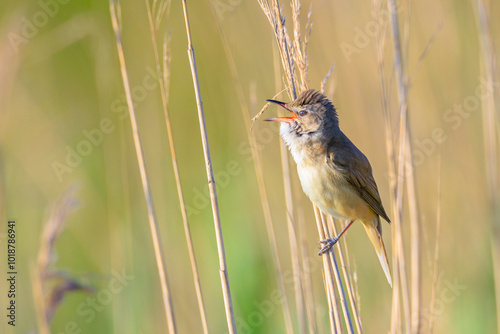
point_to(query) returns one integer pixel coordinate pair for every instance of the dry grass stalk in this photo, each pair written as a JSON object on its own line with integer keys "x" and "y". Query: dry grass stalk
{"x": 326, "y": 78}
{"x": 400, "y": 290}
{"x": 347, "y": 279}
{"x": 333, "y": 314}
{"x": 399, "y": 255}
{"x": 264, "y": 108}
{"x": 153, "y": 222}
{"x": 308, "y": 290}
{"x": 211, "y": 183}
{"x": 336, "y": 325}
{"x": 488, "y": 107}
{"x": 338, "y": 281}
{"x": 405, "y": 160}
{"x": 436, "y": 251}
{"x": 292, "y": 237}
{"x": 413, "y": 204}
{"x": 391, "y": 163}
{"x": 424, "y": 53}
{"x": 164, "y": 76}
{"x": 416, "y": 244}
{"x": 353, "y": 286}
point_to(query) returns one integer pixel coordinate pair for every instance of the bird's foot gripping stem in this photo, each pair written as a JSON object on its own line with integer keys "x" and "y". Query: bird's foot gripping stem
{"x": 328, "y": 244}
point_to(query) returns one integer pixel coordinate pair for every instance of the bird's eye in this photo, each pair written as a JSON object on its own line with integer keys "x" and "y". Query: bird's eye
{"x": 303, "y": 113}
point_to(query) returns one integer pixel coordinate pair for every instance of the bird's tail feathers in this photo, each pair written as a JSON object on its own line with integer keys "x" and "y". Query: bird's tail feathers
{"x": 374, "y": 231}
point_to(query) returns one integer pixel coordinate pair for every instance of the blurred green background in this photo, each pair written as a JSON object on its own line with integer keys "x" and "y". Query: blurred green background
{"x": 61, "y": 79}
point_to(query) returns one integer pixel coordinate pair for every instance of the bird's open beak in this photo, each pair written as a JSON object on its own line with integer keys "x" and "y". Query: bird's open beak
{"x": 281, "y": 119}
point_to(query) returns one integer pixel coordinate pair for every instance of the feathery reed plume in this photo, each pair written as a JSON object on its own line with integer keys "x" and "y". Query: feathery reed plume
{"x": 115, "y": 12}
{"x": 226, "y": 292}
{"x": 164, "y": 80}
{"x": 48, "y": 298}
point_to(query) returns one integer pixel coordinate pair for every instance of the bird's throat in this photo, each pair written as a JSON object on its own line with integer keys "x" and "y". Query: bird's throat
{"x": 305, "y": 148}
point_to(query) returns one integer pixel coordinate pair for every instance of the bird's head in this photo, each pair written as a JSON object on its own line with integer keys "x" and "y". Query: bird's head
{"x": 313, "y": 117}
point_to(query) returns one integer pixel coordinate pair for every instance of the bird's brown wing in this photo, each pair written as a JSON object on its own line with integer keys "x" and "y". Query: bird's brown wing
{"x": 346, "y": 158}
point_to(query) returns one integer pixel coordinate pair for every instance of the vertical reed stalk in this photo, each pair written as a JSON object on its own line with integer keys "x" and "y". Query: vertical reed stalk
{"x": 226, "y": 292}
{"x": 338, "y": 281}
{"x": 292, "y": 237}
{"x": 153, "y": 222}
{"x": 308, "y": 290}
{"x": 412, "y": 315}
{"x": 163, "y": 81}
{"x": 436, "y": 251}
{"x": 488, "y": 108}
{"x": 413, "y": 203}
{"x": 416, "y": 243}
{"x": 347, "y": 279}
{"x": 391, "y": 163}
{"x": 259, "y": 173}
{"x": 335, "y": 321}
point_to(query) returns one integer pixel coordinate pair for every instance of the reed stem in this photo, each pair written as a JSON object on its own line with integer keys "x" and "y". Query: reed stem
{"x": 153, "y": 222}
{"x": 226, "y": 292}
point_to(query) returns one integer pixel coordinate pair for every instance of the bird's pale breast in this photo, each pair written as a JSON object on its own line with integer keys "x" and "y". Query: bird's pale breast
{"x": 330, "y": 192}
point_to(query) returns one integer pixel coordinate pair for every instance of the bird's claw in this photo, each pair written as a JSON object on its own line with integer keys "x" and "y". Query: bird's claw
{"x": 328, "y": 244}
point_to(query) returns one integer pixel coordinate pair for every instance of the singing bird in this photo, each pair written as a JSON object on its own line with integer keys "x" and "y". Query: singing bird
{"x": 333, "y": 172}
